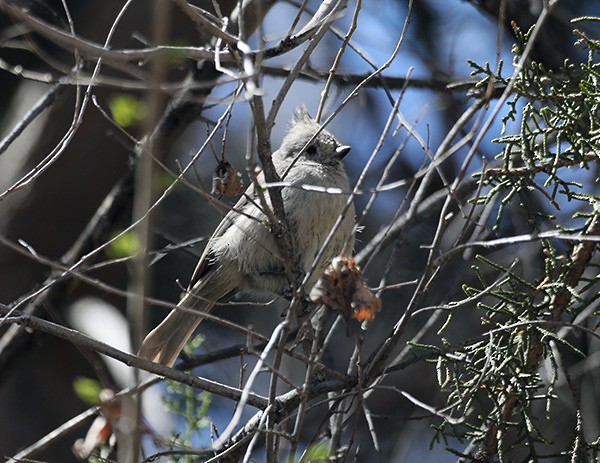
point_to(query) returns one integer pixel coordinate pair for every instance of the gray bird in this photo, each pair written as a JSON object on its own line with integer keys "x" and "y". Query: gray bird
{"x": 242, "y": 254}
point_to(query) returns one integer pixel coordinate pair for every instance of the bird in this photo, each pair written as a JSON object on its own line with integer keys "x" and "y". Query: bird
{"x": 242, "y": 254}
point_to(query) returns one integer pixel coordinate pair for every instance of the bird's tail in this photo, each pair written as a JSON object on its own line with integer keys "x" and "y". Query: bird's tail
{"x": 164, "y": 343}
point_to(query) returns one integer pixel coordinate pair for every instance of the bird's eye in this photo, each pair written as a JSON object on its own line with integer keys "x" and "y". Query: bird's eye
{"x": 312, "y": 150}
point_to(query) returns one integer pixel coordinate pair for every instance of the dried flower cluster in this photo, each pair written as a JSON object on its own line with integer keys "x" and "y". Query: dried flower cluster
{"x": 113, "y": 425}
{"x": 343, "y": 288}
{"x": 226, "y": 180}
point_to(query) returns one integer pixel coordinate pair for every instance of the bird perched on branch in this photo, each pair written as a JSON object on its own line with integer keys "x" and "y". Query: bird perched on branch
{"x": 243, "y": 255}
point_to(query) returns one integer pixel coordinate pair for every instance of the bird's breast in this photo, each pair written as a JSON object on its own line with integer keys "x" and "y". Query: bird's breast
{"x": 313, "y": 214}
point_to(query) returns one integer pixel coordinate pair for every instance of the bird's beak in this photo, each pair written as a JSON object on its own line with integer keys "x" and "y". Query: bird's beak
{"x": 342, "y": 151}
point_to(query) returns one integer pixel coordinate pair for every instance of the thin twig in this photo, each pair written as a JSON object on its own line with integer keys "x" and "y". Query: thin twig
{"x": 42, "y": 104}
{"x": 226, "y": 434}
{"x": 130, "y": 360}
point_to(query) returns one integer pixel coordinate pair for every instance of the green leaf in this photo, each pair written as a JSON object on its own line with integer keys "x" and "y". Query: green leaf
{"x": 316, "y": 453}
{"x": 178, "y": 56}
{"x": 87, "y": 389}
{"x": 124, "y": 246}
{"x": 126, "y": 110}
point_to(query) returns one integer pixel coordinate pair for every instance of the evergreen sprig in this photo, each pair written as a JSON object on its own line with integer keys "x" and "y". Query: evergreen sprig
{"x": 494, "y": 382}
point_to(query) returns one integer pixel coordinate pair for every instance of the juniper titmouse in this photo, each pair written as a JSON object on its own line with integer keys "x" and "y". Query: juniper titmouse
{"x": 242, "y": 254}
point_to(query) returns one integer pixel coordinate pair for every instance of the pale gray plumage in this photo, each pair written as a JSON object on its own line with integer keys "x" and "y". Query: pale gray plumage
{"x": 242, "y": 254}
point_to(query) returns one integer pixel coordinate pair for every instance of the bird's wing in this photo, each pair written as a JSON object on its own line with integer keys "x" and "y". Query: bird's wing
{"x": 207, "y": 258}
